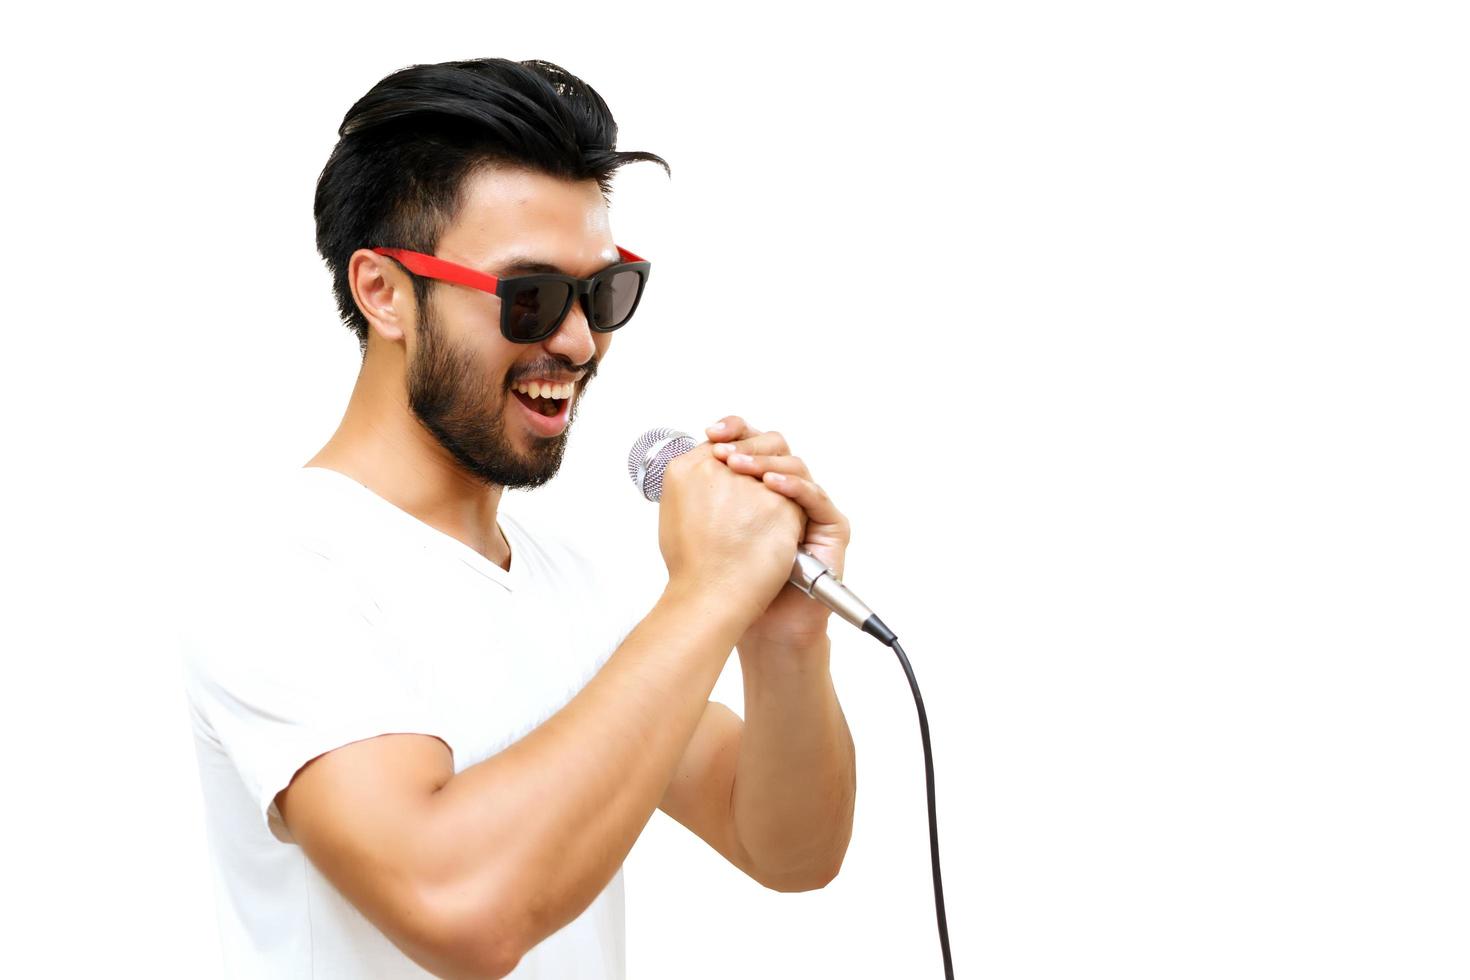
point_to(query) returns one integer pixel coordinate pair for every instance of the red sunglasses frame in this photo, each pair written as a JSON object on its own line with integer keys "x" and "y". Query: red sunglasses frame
{"x": 432, "y": 267}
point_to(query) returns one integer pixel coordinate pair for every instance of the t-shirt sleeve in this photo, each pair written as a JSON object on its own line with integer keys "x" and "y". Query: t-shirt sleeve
{"x": 289, "y": 661}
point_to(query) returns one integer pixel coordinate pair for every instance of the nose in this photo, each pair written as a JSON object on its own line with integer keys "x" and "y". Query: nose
{"x": 573, "y": 337}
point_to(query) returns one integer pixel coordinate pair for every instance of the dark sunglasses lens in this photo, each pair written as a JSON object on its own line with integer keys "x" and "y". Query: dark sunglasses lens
{"x": 532, "y": 310}
{"x": 613, "y": 298}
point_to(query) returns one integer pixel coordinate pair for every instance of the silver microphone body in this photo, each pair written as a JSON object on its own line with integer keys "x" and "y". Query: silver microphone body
{"x": 646, "y": 463}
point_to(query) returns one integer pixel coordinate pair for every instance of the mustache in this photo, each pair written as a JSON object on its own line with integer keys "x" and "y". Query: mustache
{"x": 559, "y": 367}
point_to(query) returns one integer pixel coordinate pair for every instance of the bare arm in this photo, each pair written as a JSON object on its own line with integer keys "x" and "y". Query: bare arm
{"x": 787, "y": 820}
{"x": 467, "y": 872}
{"x": 795, "y": 780}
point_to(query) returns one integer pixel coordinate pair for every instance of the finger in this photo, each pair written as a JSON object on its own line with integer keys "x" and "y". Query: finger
{"x": 730, "y": 428}
{"x": 812, "y": 498}
{"x": 764, "y": 444}
{"x": 757, "y": 465}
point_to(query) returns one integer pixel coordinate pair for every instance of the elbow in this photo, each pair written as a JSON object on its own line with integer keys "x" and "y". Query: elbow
{"x": 481, "y": 960}
{"x": 799, "y": 883}
{"x": 816, "y": 872}
{"x": 469, "y": 939}
{"x": 807, "y": 880}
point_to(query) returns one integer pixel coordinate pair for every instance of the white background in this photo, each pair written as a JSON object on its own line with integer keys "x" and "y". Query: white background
{"x": 1131, "y": 338}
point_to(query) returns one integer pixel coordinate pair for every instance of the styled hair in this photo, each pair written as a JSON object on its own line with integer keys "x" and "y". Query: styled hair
{"x": 397, "y": 174}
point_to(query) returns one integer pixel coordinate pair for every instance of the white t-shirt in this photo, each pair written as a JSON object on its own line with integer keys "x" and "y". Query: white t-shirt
{"x": 347, "y": 618}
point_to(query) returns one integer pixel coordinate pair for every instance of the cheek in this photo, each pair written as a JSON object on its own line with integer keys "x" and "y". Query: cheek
{"x": 479, "y": 345}
{"x": 482, "y": 364}
{"x": 472, "y": 317}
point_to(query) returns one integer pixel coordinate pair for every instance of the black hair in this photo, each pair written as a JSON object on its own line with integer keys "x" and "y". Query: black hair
{"x": 395, "y": 177}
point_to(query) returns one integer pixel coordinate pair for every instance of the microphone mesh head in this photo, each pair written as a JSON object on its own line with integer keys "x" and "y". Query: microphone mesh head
{"x": 651, "y": 454}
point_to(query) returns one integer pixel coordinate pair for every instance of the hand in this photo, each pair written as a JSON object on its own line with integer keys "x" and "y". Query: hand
{"x": 725, "y": 535}
{"x": 793, "y": 619}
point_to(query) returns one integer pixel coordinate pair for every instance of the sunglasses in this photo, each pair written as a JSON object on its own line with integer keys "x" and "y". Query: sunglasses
{"x": 532, "y": 307}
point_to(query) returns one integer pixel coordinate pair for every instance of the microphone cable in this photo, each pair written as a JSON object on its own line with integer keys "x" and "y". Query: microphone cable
{"x": 877, "y": 628}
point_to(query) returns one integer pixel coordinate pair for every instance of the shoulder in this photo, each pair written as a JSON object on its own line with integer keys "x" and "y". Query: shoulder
{"x": 256, "y": 603}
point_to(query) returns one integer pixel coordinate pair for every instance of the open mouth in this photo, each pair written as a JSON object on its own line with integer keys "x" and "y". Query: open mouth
{"x": 549, "y": 407}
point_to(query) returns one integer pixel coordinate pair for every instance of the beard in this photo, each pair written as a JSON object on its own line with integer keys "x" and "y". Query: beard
{"x": 454, "y": 400}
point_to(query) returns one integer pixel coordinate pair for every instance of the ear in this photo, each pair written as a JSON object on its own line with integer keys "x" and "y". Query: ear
{"x": 383, "y": 293}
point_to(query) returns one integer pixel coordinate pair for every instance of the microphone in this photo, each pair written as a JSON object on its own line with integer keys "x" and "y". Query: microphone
{"x": 646, "y": 463}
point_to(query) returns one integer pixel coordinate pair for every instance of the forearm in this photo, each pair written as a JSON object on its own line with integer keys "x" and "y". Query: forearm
{"x": 796, "y": 776}
{"x": 535, "y": 832}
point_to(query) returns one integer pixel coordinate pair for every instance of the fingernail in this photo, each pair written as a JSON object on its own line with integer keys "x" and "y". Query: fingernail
{"x": 776, "y": 477}
{"x": 721, "y": 448}
{"x": 717, "y": 427}
{"x": 739, "y": 458}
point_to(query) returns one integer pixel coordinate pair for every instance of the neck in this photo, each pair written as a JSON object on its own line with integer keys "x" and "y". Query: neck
{"x": 381, "y": 445}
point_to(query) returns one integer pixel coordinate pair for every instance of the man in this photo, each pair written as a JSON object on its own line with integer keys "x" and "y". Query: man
{"x": 427, "y": 746}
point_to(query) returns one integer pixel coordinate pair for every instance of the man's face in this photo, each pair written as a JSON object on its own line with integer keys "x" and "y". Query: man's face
{"x": 462, "y": 371}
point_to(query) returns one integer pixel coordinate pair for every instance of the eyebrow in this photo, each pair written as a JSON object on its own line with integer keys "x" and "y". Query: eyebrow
{"x": 526, "y": 263}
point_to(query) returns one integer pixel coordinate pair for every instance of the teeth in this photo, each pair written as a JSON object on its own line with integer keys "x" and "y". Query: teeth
{"x": 538, "y": 390}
